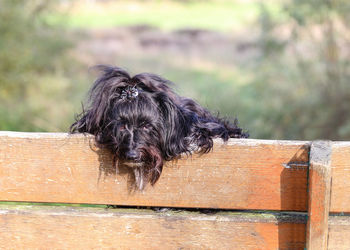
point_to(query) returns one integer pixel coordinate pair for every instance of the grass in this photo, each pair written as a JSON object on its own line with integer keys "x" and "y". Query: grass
{"x": 219, "y": 15}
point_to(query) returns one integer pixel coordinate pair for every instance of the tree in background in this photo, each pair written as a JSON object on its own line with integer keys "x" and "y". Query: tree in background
{"x": 302, "y": 78}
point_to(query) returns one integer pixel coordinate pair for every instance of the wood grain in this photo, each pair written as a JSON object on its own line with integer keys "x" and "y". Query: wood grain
{"x": 319, "y": 195}
{"x": 338, "y": 233}
{"x": 340, "y": 196}
{"x": 243, "y": 174}
{"x": 78, "y": 228}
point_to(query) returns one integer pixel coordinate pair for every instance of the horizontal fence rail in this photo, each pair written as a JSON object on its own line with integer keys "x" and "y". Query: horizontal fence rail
{"x": 82, "y": 228}
{"x": 242, "y": 174}
{"x": 299, "y": 191}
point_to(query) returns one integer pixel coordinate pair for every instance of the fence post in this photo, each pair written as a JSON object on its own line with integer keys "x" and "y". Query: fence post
{"x": 319, "y": 182}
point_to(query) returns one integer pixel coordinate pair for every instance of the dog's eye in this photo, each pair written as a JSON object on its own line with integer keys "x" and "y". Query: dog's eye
{"x": 146, "y": 127}
{"x": 122, "y": 127}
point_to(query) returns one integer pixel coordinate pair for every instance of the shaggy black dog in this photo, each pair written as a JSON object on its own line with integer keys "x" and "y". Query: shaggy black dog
{"x": 144, "y": 123}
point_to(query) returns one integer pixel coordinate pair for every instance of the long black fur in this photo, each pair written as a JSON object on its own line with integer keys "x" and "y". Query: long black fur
{"x": 144, "y": 123}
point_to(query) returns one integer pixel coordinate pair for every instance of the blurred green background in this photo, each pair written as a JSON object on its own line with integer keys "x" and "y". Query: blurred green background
{"x": 281, "y": 67}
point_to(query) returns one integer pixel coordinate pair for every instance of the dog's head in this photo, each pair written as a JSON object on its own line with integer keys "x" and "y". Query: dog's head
{"x": 138, "y": 119}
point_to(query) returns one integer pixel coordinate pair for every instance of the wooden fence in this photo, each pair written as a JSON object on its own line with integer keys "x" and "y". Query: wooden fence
{"x": 269, "y": 195}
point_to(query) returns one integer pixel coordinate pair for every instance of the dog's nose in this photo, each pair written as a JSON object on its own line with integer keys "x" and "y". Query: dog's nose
{"x": 132, "y": 155}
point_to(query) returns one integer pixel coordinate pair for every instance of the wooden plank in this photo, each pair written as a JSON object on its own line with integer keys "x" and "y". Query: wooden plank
{"x": 340, "y": 198}
{"x": 243, "y": 174}
{"x": 81, "y": 228}
{"x": 319, "y": 195}
{"x": 338, "y": 233}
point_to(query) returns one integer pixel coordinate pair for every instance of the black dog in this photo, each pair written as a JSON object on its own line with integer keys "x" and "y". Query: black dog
{"x": 143, "y": 122}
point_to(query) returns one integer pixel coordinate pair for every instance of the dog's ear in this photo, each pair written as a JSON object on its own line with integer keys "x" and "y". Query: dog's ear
{"x": 104, "y": 92}
{"x": 176, "y": 126}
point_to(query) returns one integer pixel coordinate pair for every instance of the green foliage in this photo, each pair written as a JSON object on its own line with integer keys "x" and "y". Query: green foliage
{"x": 31, "y": 61}
{"x": 302, "y": 77}
{"x": 317, "y": 11}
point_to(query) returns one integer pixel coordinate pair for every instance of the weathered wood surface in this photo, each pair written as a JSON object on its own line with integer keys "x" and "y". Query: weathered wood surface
{"x": 244, "y": 174}
{"x": 319, "y": 195}
{"x": 81, "y": 228}
{"x": 339, "y": 233}
{"x": 340, "y": 195}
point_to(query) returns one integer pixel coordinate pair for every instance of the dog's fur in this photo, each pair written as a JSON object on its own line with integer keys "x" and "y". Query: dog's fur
{"x": 144, "y": 123}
